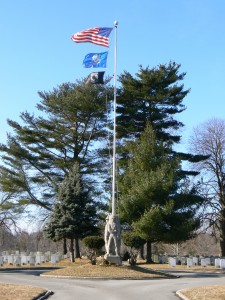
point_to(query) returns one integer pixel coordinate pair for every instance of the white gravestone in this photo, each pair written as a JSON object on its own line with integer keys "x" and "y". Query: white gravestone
{"x": 23, "y": 259}
{"x": 222, "y": 263}
{"x": 57, "y": 255}
{"x": 1, "y": 261}
{"x": 189, "y": 262}
{"x": 38, "y": 259}
{"x": 53, "y": 259}
{"x": 172, "y": 261}
{"x": 217, "y": 263}
{"x": 10, "y": 259}
{"x": 203, "y": 262}
{"x": 17, "y": 260}
{"x": 195, "y": 261}
{"x": 32, "y": 260}
{"x": 43, "y": 258}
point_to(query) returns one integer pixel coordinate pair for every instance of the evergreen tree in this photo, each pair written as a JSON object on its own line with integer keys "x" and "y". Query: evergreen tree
{"x": 155, "y": 96}
{"x": 154, "y": 197}
{"x": 74, "y": 215}
{"x": 134, "y": 241}
{"x": 42, "y": 149}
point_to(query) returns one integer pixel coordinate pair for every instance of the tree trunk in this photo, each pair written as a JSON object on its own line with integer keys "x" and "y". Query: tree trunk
{"x": 72, "y": 250}
{"x": 77, "y": 247}
{"x": 149, "y": 252}
{"x": 222, "y": 233}
{"x": 64, "y": 247}
{"x": 142, "y": 252}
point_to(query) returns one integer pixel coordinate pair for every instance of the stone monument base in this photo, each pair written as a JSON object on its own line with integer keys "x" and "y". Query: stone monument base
{"x": 114, "y": 259}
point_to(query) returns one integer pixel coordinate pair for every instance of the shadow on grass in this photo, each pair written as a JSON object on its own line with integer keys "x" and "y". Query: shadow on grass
{"x": 151, "y": 271}
{"x": 28, "y": 271}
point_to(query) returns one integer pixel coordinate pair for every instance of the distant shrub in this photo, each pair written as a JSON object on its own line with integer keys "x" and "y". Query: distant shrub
{"x": 94, "y": 243}
{"x": 132, "y": 240}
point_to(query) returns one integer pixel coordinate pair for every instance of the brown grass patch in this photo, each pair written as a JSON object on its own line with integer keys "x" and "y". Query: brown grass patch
{"x": 196, "y": 269}
{"x": 104, "y": 271}
{"x": 19, "y": 292}
{"x": 215, "y": 292}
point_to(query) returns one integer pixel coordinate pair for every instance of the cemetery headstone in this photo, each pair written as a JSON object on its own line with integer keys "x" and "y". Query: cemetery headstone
{"x": 217, "y": 263}
{"x": 23, "y": 259}
{"x": 32, "y": 260}
{"x": 222, "y": 263}
{"x": 172, "y": 261}
{"x": 17, "y": 260}
{"x": 53, "y": 259}
{"x": 189, "y": 262}
{"x": 203, "y": 262}
{"x": 43, "y": 259}
{"x": 10, "y": 259}
{"x": 38, "y": 259}
{"x": 195, "y": 261}
{"x": 183, "y": 261}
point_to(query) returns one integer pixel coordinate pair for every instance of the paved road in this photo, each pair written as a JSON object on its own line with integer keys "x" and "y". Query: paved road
{"x": 83, "y": 289}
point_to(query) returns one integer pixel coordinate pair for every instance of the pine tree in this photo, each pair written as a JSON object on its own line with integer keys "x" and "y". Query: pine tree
{"x": 74, "y": 216}
{"x": 42, "y": 149}
{"x": 154, "y": 197}
{"x": 155, "y": 96}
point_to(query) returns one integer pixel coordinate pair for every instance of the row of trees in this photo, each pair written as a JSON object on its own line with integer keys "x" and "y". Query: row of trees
{"x": 59, "y": 161}
{"x": 20, "y": 240}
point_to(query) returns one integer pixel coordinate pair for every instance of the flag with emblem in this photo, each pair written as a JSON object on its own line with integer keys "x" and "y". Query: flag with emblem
{"x": 95, "y": 60}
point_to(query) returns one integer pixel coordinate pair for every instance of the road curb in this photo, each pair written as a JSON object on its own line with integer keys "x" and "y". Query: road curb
{"x": 43, "y": 296}
{"x": 104, "y": 278}
{"x": 179, "y": 293}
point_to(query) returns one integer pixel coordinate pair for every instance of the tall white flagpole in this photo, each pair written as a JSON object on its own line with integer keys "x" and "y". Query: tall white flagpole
{"x": 114, "y": 126}
{"x": 112, "y": 227}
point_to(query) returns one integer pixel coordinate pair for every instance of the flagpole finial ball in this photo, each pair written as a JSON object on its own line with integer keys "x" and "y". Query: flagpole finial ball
{"x": 115, "y": 23}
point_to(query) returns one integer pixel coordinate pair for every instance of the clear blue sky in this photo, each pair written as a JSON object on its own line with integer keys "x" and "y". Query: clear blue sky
{"x": 37, "y": 54}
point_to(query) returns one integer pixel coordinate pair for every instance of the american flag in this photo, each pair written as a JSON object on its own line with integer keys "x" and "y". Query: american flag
{"x": 96, "y": 35}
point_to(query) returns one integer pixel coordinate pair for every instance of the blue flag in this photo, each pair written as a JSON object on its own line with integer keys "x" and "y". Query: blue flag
{"x": 95, "y": 60}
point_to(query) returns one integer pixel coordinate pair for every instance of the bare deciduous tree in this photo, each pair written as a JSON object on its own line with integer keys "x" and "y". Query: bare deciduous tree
{"x": 209, "y": 139}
